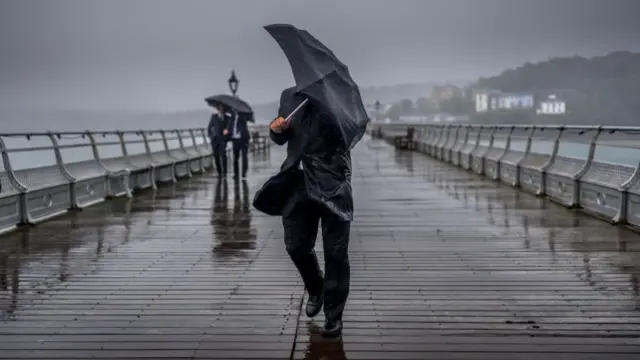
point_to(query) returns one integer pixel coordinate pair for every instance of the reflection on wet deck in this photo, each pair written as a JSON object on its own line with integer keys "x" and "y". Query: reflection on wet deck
{"x": 445, "y": 264}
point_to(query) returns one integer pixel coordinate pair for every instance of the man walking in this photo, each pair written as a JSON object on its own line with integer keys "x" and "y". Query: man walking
{"x": 313, "y": 186}
{"x": 216, "y": 131}
{"x": 239, "y": 134}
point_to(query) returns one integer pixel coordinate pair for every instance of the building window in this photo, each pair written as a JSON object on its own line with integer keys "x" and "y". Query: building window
{"x": 552, "y": 107}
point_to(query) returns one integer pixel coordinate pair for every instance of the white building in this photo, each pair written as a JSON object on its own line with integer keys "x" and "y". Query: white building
{"x": 552, "y": 106}
{"x": 490, "y": 100}
{"x": 482, "y": 102}
{"x": 515, "y": 101}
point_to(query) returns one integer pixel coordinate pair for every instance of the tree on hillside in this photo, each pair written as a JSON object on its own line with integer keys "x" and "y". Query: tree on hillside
{"x": 423, "y": 106}
{"x": 406, "y": 107}
{"x": 456, "y": 106}
{"x": 607, "y": 87}
{"x": 394, "y": 112}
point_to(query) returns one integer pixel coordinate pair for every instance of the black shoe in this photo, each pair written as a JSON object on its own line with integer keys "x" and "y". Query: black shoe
{"x": 332, "y": 329}
{"x": 314, "y": 305}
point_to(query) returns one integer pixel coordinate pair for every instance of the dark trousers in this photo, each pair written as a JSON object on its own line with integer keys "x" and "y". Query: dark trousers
{"x": 300, "y": 231}
{"x": 240, "y": 148}
{"x": 220, "y": 156}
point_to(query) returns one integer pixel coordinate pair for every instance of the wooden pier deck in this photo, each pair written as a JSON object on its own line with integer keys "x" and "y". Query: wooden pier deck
{"x": 445, "y": 265}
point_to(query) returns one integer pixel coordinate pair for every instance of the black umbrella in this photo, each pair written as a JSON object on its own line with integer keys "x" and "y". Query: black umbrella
{"x": 324, "y": 80}
{"x": 232, "y": 102}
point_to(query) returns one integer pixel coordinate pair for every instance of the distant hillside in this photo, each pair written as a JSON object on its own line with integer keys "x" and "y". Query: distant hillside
{"x": 51, "y": 119}
{"x": 34, "y": 120}
{"x": 384, "y": 94}
{"x": 605, "y": 89}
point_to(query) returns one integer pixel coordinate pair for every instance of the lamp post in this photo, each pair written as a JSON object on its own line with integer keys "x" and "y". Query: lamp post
{"x": 233, "y": 83}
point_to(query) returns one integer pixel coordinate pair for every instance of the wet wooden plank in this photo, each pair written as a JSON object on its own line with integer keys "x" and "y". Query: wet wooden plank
{"x": 445, "y": 264}
{"x": 450, "y": 266}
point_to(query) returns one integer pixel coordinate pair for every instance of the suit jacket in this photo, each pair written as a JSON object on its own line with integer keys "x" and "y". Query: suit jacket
{"x": 217, "y": 124}
{"x": 243, "y": 128}
{"x": 313, "y": 141}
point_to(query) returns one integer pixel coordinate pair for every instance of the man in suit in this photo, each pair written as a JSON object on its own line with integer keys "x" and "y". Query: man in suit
{"x": 313, "y": 185}
{"x": 216, "y": 129}
{"x": 238, "y": 132}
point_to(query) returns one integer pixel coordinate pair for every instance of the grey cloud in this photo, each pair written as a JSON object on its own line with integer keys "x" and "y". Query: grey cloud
{"x": 168, "y": 55}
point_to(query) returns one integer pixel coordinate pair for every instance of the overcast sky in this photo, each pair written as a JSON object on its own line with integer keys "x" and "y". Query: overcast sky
{"x": 170, "y": 54}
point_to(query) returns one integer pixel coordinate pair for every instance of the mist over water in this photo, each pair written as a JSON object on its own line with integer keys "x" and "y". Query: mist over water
{"x": 95, "y": 64}
{"x": 70, "y": 120}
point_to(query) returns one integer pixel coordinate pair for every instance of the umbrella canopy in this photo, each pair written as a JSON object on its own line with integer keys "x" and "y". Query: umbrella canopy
{"x": 324, "y": 80}
{"x": 232, "y": 102}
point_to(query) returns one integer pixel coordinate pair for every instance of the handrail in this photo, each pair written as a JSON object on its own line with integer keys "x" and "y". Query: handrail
{"x": 100, "y": 132}
{"x": 45, "y": 174}
{"x": 522, "y": 126}
{"x": 595, "y": 168}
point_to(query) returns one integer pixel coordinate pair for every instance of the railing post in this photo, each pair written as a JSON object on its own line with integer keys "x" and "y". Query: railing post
{"x": 165, "y": 142}
{"x": 429, "y": 139}
{"x": 123, "y": 146}
{"x": 98, "y": 159}
{"x": 449, "y": 157}
{"x": 209, "y": 149}
{"x": 184, "y": 150}
{"x": 13, "y": 180}
{"x": 168, "y": 151}
{"x": 527, "y": 148}
{"x": 458, "y": 153}
{"x": 73, "y": 199}
{"x": 147, "y": 147}
{"x": 194, "y": 141}
{"x": 621, "y": 216}
{"x": 95, "y": 150}
{"x": 205, "y": 137}
{"x": 110, "y": 173}
{"x": 178, "y": 133}
{"x": 545, "y": 168}
{"x": 467, "y": 162}
{"x": 442, "y": 142}
{"x": 146, "y": 134}
{"x": 6, "y": 161}
{"x": 483, "y": 158}
{"x": 445, "y": 146}
{"x": 152, "y": 165}
{"x": 434, "y": 139}
{"x": 426, "y": 140}
{"x": 578, "y": 176}
{"x": 477, "y": 143}
{"x": 433, "y": 136}
{"x": 147, "y": 150}
{"x": 125, "y": 154}
{"x": 418, "y": 136}
{"x": 507, "y": 145}
{"x": 437, "y": 132}
{"x": 195, "y": 146}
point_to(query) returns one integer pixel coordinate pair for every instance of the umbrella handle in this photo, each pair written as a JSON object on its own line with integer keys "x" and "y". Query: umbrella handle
{"x": 296, "y": 110}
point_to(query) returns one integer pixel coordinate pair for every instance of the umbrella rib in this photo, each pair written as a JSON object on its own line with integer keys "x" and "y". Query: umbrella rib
{"x": 319, "y": 79}
{"x": 324, "y": 80}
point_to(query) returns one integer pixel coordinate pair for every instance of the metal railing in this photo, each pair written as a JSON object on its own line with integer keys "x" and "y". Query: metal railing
{"x": 595, "y": 168}
{"x": 47, "y": 174}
